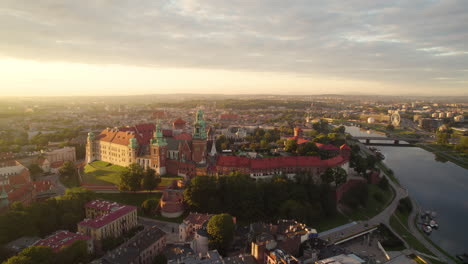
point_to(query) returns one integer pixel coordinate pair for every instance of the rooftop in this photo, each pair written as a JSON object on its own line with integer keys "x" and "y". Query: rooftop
{"x": 60, "y": 239}
{"x": 197, "y": 218}
{"x": 116, "y": 211}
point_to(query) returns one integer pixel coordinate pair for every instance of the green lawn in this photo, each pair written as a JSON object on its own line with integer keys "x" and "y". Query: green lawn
{"x": 69, "y": 181}
{"x": 329, "y": 223}
{"x": 167, "y": 180}
{"x": 135, "y": 199}
{"x": 374, "y": 206}
{"x": 102, "y": 173}
{"x": 407, "y": 236}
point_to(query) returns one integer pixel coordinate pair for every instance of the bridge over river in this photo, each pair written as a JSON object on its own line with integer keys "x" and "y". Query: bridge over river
{"x": 384, "y": 140}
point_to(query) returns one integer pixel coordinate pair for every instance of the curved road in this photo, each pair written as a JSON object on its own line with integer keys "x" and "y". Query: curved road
{"x": 384, "y": 218}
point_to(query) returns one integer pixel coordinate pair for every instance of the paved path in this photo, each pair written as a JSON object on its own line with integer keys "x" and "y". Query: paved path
{"x": 384, "y": 218}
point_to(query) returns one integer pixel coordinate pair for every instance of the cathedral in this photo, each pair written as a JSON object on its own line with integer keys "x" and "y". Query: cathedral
{"x": 183, "y": 154}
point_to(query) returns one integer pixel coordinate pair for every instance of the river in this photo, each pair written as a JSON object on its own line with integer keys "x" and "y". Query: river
{"x": 435, "y": 185}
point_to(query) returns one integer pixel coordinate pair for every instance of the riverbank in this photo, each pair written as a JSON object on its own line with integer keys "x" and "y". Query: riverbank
{"x": 445, "y": 152}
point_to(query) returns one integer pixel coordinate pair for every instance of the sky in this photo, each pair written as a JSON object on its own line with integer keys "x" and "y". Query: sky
{"x": 123, "y": 47}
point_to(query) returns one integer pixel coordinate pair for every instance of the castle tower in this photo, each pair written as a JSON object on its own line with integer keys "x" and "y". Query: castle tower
{"x": 199, "y": 139}
{"x": 298, "y": 132}
{"x": 133, "y": 147}
{"x": 158, "y": 151}
{"x": 90, "y": 157}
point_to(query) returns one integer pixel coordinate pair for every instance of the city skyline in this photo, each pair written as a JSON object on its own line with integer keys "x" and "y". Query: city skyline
{"x": 214, "y": 47}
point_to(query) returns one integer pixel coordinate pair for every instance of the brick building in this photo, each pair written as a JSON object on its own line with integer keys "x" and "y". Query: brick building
{"x": 107, "y": 219}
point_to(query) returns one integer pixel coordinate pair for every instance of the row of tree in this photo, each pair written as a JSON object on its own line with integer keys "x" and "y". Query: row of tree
{"x": 74, "y": 253}
{"x": 251, "y": 201}
{"x": 135, "y": 178}
{"x": 43, "y": 218}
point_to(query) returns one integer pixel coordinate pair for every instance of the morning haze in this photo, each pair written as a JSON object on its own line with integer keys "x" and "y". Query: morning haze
{"x": 188, "y": 46}
{"x": 233, "y": 132}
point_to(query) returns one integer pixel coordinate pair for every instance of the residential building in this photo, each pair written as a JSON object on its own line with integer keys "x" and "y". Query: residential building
{"x": 107, "y": 219}
{"x": 141, "y": 249}
{"x": 192, "y": 223}
{"x": 62, "y": 238}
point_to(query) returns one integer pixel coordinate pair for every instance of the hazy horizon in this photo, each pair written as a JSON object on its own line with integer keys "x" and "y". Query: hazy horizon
{"x": 99, "y": 48}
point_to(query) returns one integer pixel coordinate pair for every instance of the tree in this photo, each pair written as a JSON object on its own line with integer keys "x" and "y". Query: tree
{"x": 221, "y": 230}
{"x": 160, "y": 259}
{"x": 383, "y": 183}
{"x": 19, "y": 260}
{"x": 149, "y": 181}
{"x": 328, "y": 176}
{"x": 308, "y": 149}
{"x": 291, "y": 145}
{"x": 442, "y": 138}
{"x": 68, "y": 169}
{"x": 340, "y": 176}
{"x": 74, "y": 253}
{"x": 39, "y": 254}
{"x": 131, "y": 177}
{"x": 148, "y": 206}
{"x": 35, "y": 170}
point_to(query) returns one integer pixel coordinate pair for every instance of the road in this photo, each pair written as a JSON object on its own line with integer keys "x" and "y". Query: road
{"x": 384, "y": 218}
{"x": 171, "y": 229}
{"x": 59, "y": 187}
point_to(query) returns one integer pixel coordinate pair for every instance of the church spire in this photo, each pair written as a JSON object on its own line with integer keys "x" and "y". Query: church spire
{"x": 199, "y": 126}
{"x": 158, "y": 138}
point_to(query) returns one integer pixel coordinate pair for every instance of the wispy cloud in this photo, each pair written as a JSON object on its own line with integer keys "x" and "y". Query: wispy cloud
{"x": 372, "y": 40}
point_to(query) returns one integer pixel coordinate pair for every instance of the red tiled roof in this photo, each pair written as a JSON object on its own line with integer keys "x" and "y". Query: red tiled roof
{"x": 328, "y": 147}
{"x": 344, "y": 146}
{"x": 143, "y": 132}
{"x": 278, "y": 162}
{"x": 179, "y": 121}
{"x": 60, "y": 239}
{"x": 42, "y": 186}
{"x": 56, "y": 164}
{"x": 20, "y": 178}
{"x": 167, "y": 132}
{"x": 300, "y": 140}
{"x": 229, "y": 116}
{"x": 108, "y": 218}
{"x": 197, "y": 219}
{"x": 18, "y": 194}
{"x": 183, "y": 136}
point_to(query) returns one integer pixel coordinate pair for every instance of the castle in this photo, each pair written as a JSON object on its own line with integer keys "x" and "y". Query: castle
{"x": 146, "y": 144}
{"x": 195, "y": 154}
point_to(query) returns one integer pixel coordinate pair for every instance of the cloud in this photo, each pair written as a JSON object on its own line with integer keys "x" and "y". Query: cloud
{"x": 383, "y": 41}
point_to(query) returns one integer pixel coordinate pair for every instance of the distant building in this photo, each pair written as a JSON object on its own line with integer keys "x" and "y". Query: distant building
{"x": 16, "y": 185}
{"x": 62, "y": 239}
{"x": 265, "y": 168}
{"x": 179, "y": 124}
{"x": 21, "y": 243}
{"x": 192, "y": 223}
{"x": 51, "y": 161}
{"x": 277, "y": 243}
{"x": 107, "y": 219}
